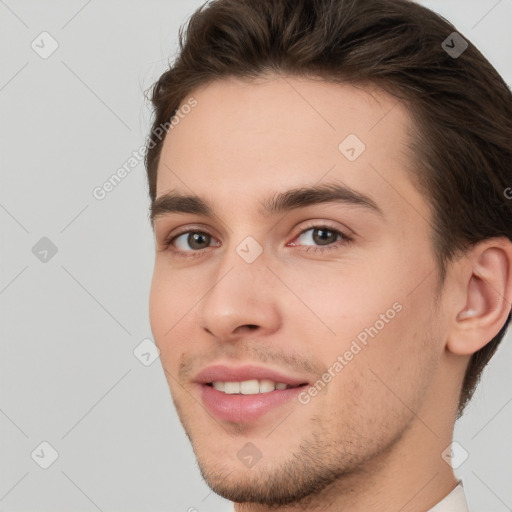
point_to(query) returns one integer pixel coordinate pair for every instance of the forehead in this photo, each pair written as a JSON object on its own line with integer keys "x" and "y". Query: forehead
{"x": 246, "y": 138}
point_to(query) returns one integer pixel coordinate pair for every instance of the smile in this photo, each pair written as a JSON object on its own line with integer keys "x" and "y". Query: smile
{"x": 249, "y": 387}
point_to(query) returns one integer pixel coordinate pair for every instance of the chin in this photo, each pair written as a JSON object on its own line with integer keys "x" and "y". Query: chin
{"x": 294, "y": 478}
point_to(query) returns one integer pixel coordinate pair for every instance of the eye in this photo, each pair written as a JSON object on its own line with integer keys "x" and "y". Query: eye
{"x": 195, "y": 240}
{"x": 322, "y": 236}
{"x": 317, "y": 238}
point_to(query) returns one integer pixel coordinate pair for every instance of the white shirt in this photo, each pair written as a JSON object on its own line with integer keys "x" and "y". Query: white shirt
{"x": 454, "y": 502}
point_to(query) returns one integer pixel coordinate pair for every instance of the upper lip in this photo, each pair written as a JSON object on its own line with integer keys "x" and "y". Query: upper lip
{"x": 225, "y": 373}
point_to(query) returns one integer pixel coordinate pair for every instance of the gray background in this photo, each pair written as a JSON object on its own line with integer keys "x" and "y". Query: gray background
{"x": 69, "y": 325}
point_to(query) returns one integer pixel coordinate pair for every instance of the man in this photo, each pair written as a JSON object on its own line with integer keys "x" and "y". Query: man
{"x": 333, "y": 248}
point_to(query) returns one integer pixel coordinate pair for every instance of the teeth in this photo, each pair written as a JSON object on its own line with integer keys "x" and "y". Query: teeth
{"x": 249, "y": 387}
{"x": 218, "y": 385}
{"x": 231, "y": 388}
{"x": 267, "y": 386}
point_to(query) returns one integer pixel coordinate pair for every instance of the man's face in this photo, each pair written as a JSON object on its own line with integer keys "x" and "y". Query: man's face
{"x": 337, "y": 295}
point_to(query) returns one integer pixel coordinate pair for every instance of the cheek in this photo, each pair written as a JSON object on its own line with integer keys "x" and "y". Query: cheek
{"x": 172, "y": 300}
{"x": 171, "y": 296}
{"x": 386, "y": 365}
{"x": 381, "y": 324}
{"x": 160, "y": 303}
{"x": 375, "y": 386}
{"x": 168, "y": 306}
{"x": 346, "y": 299}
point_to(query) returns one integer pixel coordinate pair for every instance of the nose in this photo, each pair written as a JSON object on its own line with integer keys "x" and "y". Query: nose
{"x": 242, "y": 299}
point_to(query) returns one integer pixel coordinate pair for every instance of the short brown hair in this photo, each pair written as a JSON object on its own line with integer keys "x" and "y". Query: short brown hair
{"x": 461, "y": 108}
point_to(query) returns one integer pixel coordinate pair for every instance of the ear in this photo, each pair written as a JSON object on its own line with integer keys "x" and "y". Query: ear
{"x": 485, "y": 301}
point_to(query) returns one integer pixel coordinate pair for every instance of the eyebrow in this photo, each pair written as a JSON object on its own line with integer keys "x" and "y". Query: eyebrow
{"x": 281, "y": 202}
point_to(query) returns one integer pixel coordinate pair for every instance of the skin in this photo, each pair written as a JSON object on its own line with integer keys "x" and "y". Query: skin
{"x": 372, "y": 438}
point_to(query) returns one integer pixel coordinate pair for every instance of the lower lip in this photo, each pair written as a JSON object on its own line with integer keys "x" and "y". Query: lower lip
{"x": 239, "y": 408}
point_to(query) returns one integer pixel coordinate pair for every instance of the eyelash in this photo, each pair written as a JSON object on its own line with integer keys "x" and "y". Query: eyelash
{"x": 345, "y": 240}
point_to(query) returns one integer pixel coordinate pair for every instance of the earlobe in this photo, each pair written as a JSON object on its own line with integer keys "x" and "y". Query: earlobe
{"x": 488, "y": 294}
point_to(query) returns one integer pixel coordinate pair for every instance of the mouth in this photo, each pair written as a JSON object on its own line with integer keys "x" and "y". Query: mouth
{"x": 250, "y": 387}
{"x": 245, "y": 394}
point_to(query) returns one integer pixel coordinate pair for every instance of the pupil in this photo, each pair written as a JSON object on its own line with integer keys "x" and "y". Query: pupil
{"x": 196, "y": 239}
{"x": 327, "y": 236}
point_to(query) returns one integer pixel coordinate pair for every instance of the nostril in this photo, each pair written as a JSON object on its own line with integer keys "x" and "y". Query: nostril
{"x": 252, "y": 326}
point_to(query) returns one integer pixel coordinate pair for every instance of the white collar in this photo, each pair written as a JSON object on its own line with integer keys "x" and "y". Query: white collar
{"x": 454, "y": 502}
